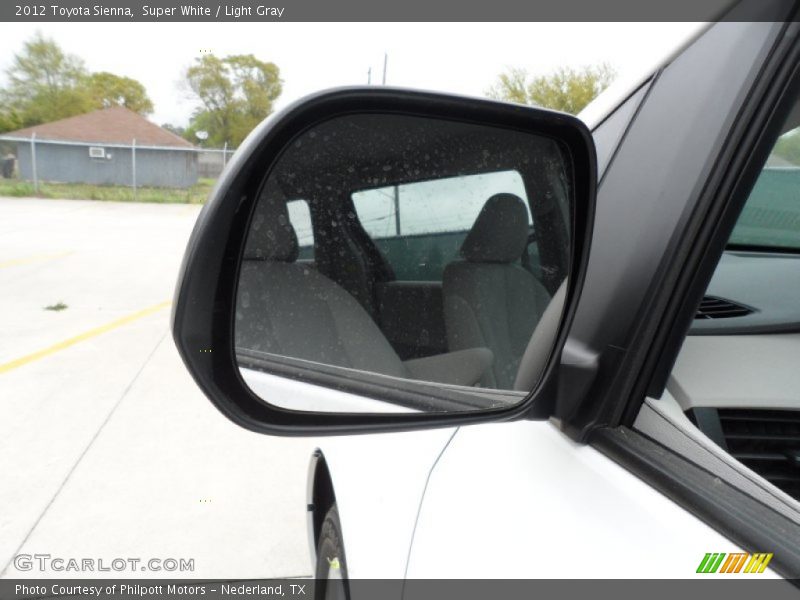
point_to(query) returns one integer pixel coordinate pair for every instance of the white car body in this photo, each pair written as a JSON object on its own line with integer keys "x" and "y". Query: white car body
{"x": 597, "y": 490}
{"x": 423, "y": 505}
{"x": 464, "y": 503}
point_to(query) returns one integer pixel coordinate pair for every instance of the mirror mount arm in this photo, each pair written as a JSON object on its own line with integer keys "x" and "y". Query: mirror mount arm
{"x": 577, "y": 374}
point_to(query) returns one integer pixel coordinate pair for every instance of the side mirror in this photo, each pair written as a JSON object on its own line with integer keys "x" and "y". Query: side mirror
{"x": 379, "y": 259}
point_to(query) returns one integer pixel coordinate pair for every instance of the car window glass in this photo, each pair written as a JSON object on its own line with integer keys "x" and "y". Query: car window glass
{"x": 427, "y": 221}
{"x": 736, "y": 376}
{"x": 771, "y": 217}
{"x": 300, "y": 218}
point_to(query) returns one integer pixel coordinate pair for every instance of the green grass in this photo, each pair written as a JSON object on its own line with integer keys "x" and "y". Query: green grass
{"x": 197, "y": 194}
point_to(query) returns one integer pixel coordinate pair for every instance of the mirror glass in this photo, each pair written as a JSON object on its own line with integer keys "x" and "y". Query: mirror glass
{"x": 422, "y": 258}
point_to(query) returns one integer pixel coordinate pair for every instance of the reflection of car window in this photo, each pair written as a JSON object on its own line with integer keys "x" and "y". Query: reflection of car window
{"x": 300, "y": 217}
{"x": 420, "y": 226}
{"x": 771, "y": 217}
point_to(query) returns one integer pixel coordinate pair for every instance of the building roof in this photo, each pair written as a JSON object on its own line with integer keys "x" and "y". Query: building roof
{"x": 115, "y": 125}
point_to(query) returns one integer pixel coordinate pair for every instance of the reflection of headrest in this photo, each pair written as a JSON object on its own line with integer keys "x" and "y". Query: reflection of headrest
{"x": 271, "y": 236}
{"x": 500, "y": 233}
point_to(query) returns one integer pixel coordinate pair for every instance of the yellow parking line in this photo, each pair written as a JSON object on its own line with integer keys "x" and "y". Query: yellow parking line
{"x": 32, "y": 259}
{"x": 4, "y": 368}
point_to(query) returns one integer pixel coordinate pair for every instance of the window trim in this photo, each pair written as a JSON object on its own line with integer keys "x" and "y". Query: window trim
{"x": 610, "y": 363}
{"x": 749, "y": 523}
{"x": 733, "y": 512}
{"x": 779, "y": 91}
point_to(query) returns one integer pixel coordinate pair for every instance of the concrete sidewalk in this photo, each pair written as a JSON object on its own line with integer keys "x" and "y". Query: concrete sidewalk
{"x": 107, "y": 448}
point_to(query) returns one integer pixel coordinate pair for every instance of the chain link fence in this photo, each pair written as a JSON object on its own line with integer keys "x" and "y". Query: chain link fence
{"x": 132, "y": 165}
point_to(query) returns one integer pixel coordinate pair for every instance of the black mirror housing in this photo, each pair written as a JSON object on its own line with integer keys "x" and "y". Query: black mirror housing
{"x": 203, "y": 317}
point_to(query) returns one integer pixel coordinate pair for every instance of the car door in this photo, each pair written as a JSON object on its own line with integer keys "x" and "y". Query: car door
{"x": 479, "y": 514}
{"x": 492, "y": 479}
{"x": 578, "y": 390}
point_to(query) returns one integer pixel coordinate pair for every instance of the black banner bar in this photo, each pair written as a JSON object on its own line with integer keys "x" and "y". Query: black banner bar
{"x": 734, "y": 587}
{"x": 369, "y": 10}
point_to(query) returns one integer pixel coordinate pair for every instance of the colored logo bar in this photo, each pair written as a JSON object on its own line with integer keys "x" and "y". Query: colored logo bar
{"x": 735, "y": 562}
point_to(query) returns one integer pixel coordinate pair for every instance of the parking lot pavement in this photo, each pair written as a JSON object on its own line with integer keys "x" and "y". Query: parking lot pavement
{"x": 107, "y": 448}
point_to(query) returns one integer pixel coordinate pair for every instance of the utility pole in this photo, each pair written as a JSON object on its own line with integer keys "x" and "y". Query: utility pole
{"x": 133, "y": 167}
{"x": 396, "y": 210}
{"x": 385, "y": 60}
{"x": 33, "y": 164}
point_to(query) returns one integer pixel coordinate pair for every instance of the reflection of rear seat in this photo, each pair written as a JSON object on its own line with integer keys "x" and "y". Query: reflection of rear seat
{"x": 488, "y": 300}
{"x": 289, "y": 309}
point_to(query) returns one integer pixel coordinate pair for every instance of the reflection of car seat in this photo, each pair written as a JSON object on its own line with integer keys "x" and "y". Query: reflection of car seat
{"x": 290, "y": 309}
{"x": 488, "y": 300}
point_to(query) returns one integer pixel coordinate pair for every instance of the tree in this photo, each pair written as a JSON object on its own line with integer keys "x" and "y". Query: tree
{"x": 9, "y": 118}
{"x": 106, "y": 89}
{"x": 46, "y": 84}
{"x": 567, "y": 89}
{"x": 235, "y": 93}
{"x": 788, "y": 147}
{"x": 512, "y": 86}
{"x": 176, "y": 129}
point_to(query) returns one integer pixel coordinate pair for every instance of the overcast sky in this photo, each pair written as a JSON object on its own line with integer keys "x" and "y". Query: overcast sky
{"x": 460, "y": 57}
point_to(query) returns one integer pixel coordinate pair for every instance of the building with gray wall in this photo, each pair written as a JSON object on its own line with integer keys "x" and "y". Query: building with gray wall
{"x": 113, "y": 146}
